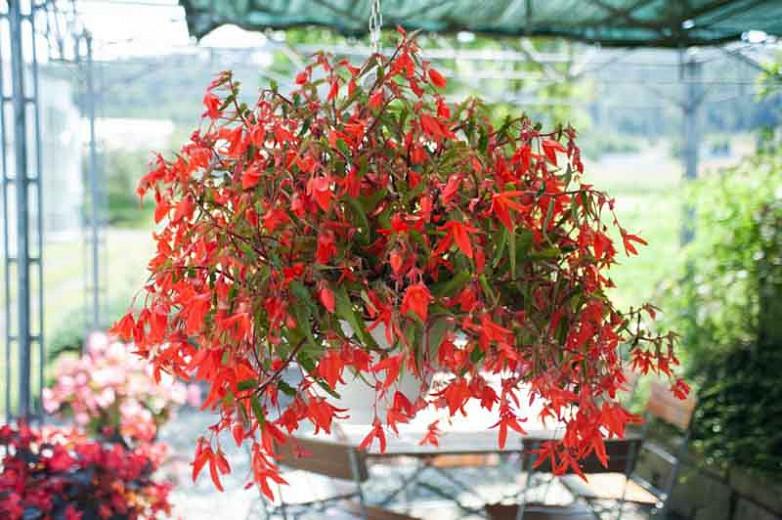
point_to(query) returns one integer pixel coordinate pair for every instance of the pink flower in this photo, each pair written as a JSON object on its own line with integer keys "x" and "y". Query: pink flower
{"x": 50, "y": 402}
{"x": 97, "y": 342}
{"x": 108, "y": 378}
{"x": 193, "y": 395}
{"x": 105, "y": 398}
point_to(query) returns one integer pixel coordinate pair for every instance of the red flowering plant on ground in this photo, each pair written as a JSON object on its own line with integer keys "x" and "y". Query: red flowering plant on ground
{"x": 363, "y": 198}
{"x": 56, "y": 473}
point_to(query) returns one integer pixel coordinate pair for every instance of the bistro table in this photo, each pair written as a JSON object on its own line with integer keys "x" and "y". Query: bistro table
{"x": 466, "y": 441}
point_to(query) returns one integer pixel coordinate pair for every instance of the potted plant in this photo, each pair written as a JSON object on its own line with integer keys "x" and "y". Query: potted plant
{"x": 112, "y": 394}
{"x": 52, "y": 472}
{"x": 363, "y": 197}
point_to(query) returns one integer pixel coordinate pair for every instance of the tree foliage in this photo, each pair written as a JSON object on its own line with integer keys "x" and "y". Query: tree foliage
{"x": 729, "y": 311}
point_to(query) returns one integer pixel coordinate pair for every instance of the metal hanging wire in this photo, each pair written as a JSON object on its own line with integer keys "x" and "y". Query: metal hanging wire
{"x": 375, "y": 25}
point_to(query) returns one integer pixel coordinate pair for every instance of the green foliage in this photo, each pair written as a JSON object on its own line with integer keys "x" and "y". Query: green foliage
{"x": 729, "y": 311}
{"x": 769, "y": 79}
{"x": 70, "y": 334}
{"x": 122, "y": 169}
{"x": 596, "y": 144}
{"x": 719, "y": 305}
{"x": 739, "y": 418}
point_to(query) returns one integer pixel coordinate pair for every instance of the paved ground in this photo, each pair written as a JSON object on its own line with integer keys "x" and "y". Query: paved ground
{"x": 200, "y": 500}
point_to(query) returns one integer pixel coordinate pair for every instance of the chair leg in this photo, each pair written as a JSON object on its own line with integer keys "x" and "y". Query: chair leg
{"x": 621, "y": 502}
{"x": 528, "y": 482}
{"x": 547, "y": 489}
{"x": 621, "y": 509}
{"x": 406, "y": 484}
{"x": 355, "y": 471}
{"x": 283, "y": 509}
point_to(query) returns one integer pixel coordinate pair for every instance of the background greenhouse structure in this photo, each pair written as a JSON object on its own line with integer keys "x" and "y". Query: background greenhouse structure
{"x": 679, "y": 105}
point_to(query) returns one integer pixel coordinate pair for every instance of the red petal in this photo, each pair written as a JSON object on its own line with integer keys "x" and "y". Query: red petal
{"x": 214, "y": 475}
{"x": 550, "y": 148}
{"x": 462, "y": 240}
{"x": 334, "y": 90}
{"x": 437, "y": 79}
{"x": 396, "y": 262}
{"x": 326, "y": 296}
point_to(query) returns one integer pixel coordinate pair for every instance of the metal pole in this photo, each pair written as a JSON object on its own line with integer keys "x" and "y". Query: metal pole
{"x": 38, "y": 184}
{"x": 94, "y": 192}
{"x": 18, "y": 101}
{"x": 7, "y": 182}
{"x": 693, "y": 96}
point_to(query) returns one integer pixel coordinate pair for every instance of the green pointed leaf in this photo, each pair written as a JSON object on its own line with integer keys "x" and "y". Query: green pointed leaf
{"x": 486, "y": 287}
{"x": 285, "y": 388}
{"x": 303, "y": 295}
{"x": 247, "y": 384}
{"x": 343, "y": 147}
{"x": 255, "y": 404}
{"x": 435, "y": 335}
{"x": 364, "y": 228}
{"x": 500, "y": 248}
{"x": 523, "y": 246}
{"x": 344, "y": 309}
{"x": 452, "y": 285}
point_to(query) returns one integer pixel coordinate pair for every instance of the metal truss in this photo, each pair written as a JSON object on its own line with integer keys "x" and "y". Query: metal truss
{"x": 26, "y": 27}
{"x": 20, "y": 132}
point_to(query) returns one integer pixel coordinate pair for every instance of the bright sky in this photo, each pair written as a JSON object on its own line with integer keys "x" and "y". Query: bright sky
{"x": 125, "y": 28}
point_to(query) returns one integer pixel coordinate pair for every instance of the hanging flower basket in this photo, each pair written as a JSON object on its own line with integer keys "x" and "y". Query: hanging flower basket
{"x": 363, "y": 197}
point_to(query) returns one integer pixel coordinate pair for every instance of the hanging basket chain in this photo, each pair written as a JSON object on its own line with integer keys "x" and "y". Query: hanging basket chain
{"x": 375, "y": 25}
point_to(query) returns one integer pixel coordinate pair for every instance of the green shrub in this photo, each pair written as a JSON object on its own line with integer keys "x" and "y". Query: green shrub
{"x": 598, "y": 144}
{"x": 728, "y": 308}
{"x": 122, "y": 169}
{"x": 71, "y": 332}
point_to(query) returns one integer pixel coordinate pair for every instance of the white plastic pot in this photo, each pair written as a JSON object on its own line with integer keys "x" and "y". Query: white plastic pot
{"x": 359, "y": 398}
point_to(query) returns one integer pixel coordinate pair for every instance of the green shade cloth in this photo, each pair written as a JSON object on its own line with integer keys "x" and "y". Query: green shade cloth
{"x": 625, "y": 23}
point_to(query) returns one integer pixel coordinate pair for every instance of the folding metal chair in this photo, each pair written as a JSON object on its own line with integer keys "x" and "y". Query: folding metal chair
{"x": 537, "y": 512}
{"x": 525, "y": 509}
{"x": 346, "y": 471}
{"x": 650, "y": 491}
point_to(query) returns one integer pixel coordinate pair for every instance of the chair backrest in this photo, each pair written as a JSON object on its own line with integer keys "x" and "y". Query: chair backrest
{"x": 622, "y": 456}
{"x": 375, "y": 513}
{"x": 661, "y": 463}
{"x": 324, "y": 457}
{"x": 665, "y": 406}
